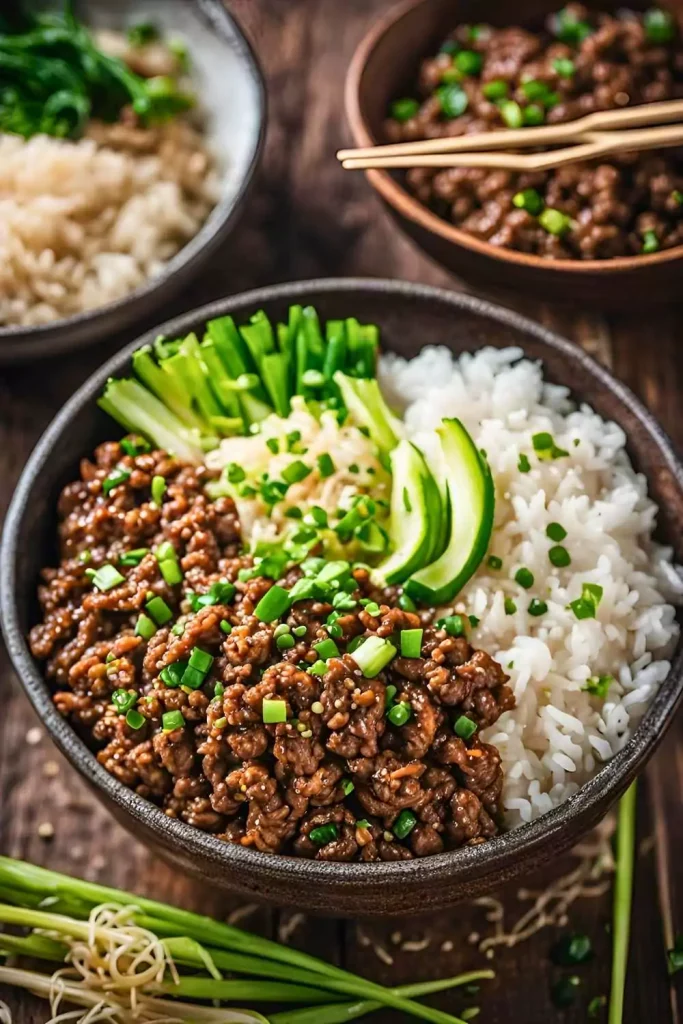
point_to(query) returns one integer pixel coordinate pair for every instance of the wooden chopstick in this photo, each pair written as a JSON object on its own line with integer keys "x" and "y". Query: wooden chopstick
{"x": 592, "y": 145}
{"x": 645, "y": 115}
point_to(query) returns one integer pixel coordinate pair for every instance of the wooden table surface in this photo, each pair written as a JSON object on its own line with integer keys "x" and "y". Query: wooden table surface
{"x": 306, "y": 218}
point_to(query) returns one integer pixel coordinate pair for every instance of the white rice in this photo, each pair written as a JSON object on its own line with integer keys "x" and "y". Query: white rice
{"x": 558, "y": 734}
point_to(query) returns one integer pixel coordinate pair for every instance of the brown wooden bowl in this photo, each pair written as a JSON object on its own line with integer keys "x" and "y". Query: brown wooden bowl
{"x": 384, "y": 66}
{"x": 409, "y": 316}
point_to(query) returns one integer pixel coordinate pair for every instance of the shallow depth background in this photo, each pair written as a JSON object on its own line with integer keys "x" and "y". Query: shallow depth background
{"x": 308, "y": 218}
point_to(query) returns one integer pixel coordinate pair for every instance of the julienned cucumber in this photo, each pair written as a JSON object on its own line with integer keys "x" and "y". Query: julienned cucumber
{"x": 472, "y": 501}
{"x": 415, "y": 513}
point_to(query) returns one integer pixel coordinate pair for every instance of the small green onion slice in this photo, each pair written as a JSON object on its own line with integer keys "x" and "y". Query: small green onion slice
{"x": 172, "y": 720}
{"x": 510, "y": 606}
{"x": 145, "y": 627}
{"x": 318, "y": 668}
{"x": 235, "y": 473}
{"x": 494, "y": 562}
{"x": 171, "y": 572}
{"x": 273, "y": 604}
{"x": 119, "y": 475}
{"x": 523, "y": 464}
{"x": 323, "y": 834}
{"x": 524, "y": 577}
{"x": 363, "y": 823}
{"x": 399, "y": 714}
{"x": 134, "y": 719}
{"x": 347, "y": 787}
{"x": 403, "y": 110}
{"x": 564, "y": 67}
{"x": 511, "y": 112}
{"x": 326, "y": 466}
{"x": 660, "y": 26}
{"x": 411, "y": 642}
{"x": 404, "y": 824}
{"x": 225, "y": 626}
{"x": 530, "y": 200}
{"x": 537, "y": 607}
{"x": 124, "y": 700}
{"x": 133, "y": 557}
{"x": 555, "y": 531}
{"x": 453, "y": 624}
{"x": 495, "y": 90}
{"x": 453, "y": 99}
{"x": 158, "y": 489}
{"x": 159, "y": 610}
{"x": 200, "y": 660}
{"x": 285, "y": 642}
{"x": 464, "y": 727}
{"x": 650, "y": 242}
{"x": 586, "y": 606}
{"x": 326, "y": 649}
{"x": 554, "y": 221}
{"x": 559, "y": 556}
{"x": 533, "y": 114}
{"x": 406, "y": 603}
{"x": 295, "y": 472}
{"x": 373, "y": 655}
{"x": 274, "y": 711}
{"x": 135, "y": 445}
{"x": 469, "y": 62}
{"x": 107, "y": 577}
{"x": 172, "y": 675}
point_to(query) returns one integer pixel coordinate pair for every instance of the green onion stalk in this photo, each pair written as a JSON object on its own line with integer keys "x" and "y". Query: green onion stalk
{"x": 198, "y": 942}
{"x": 623, "y": 898}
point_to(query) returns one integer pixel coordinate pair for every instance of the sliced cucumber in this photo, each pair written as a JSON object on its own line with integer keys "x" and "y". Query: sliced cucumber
{"x": 414, "y": 515}
{"x": 363, "y": 398}
{"x": 434, "y": 458}
{"x": 472, "y": 500}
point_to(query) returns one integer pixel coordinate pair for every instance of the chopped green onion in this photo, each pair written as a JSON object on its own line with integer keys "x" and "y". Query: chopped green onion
{"x": 318, "y": 668}
{"x": 363, "y": 823}
{"x": 564, "y": 67}
{"x": 524, "y": 577}
{"x": 107, "y": 577}
{"x": 598, "y": 686}
{"x": 221, "y": 592}
{"x": 534, "y": 114}
{"x": 569, "y": 28}
{"x": 406, "y": 603}
{"x": 324, "y": 834}
{"x": 144, "y": 627}
{"x": 596, "y": 1005}
{"x": 373, "y": 655}
{"x": 326, "y": 649}
{"x": 220, "y": 723}
{"x": 135, "y": 445}
{"x": 158, "y": 489}
{"x": 555, "y": 531}
{"x": 159, "y": 610}
{"x": 510, "y": 606}
{"x": 650, "y": 242}
{"x": 84, "y": 557}
{"x": 494, "y": 562}
{"x": 281, "y": 630}
{"x": 119, "y": 475}
{"x": 554, "y": 221}
{"x": 453, "y": 624}
{"x": 285, "y": 642}
{"x": 295, "y": 472}
{"x": 299, "y": 631}
{"x": 404, "y": 824}
{"x": 530, "y": 200}
{"x": 537, "y": 607}
{"x": 225, "y": 626}
{"x": 677, "y": 197}
{"x": 134, "y": 557}
{"x": 399, "y": 714}
{"x": 312, "y": 379}
{"x": 403, "y": 110}
{"x": 453, "y": 99}
{"x": 219, "y": 689}
{"x": 171, "y": 572}
{"x": 511, "y": 112}
{"x": 469, "y": 62}
{"x": 172, "y": 720}
{"x": 134, "y": 719}
{"x": 660, "y": 26}
{"x": 200, "y": 660}
{"x": 411, "y": 642}
{"x": 523, "y": 464}
{"x": 326, "y": 466}
{"x": 464, "y": 727}
{"x": 124, "y": 700}
{"x": 274, "y": 711}
{"x": 564, "y": 991}
{"x": 273, "y": 445}
{"x": 495, "y": 90}
{"x": 347, "y": 787}
{"x": 235, "y": 473}
{"x": 474, "y": 620}
{"x": 172, "y": 675}
{"x": 572, "y": 949}
{"x": 559, "y": 556}
{"x": 273, "y": 604}
{"x": 586, "y": 606}
{"x": 193, "y": 678}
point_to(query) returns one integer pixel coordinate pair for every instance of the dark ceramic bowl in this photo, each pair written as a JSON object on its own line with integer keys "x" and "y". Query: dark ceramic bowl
{"x": 385, "y": 66}
{"x": 231, "y": 88}
{"x": 409, "y": 315}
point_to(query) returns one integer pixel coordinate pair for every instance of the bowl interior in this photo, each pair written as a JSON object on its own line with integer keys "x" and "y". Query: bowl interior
{"x": 409, "y": 316}
{"x": 232, "y": 100}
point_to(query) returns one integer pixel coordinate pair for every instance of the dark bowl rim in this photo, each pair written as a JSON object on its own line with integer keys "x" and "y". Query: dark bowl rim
{"x": 44, "y": 338}
{"x": 499, "y": 853}
{"x": 411, "y": 208}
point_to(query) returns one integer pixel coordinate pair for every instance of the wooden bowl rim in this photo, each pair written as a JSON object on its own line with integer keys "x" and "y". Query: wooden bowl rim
{"x": 412, "y": 209}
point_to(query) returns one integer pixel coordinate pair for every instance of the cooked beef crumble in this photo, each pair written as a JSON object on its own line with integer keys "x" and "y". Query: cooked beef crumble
{"x": 336, "y": 780}
{"x": 588, "y": 62}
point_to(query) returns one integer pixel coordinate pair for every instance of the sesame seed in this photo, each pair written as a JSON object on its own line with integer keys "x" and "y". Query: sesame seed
{"x": 317, "y": 708}
{"x": 46, "y": 830}
{"x": 34, "y": 736}
{"x": 50, "y": 769}
{"x": 447, "y": 946}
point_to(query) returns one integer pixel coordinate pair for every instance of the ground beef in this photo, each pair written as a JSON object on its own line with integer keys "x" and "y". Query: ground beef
{"x": 623, "y": 206}
{"x": 334, "y": 781}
